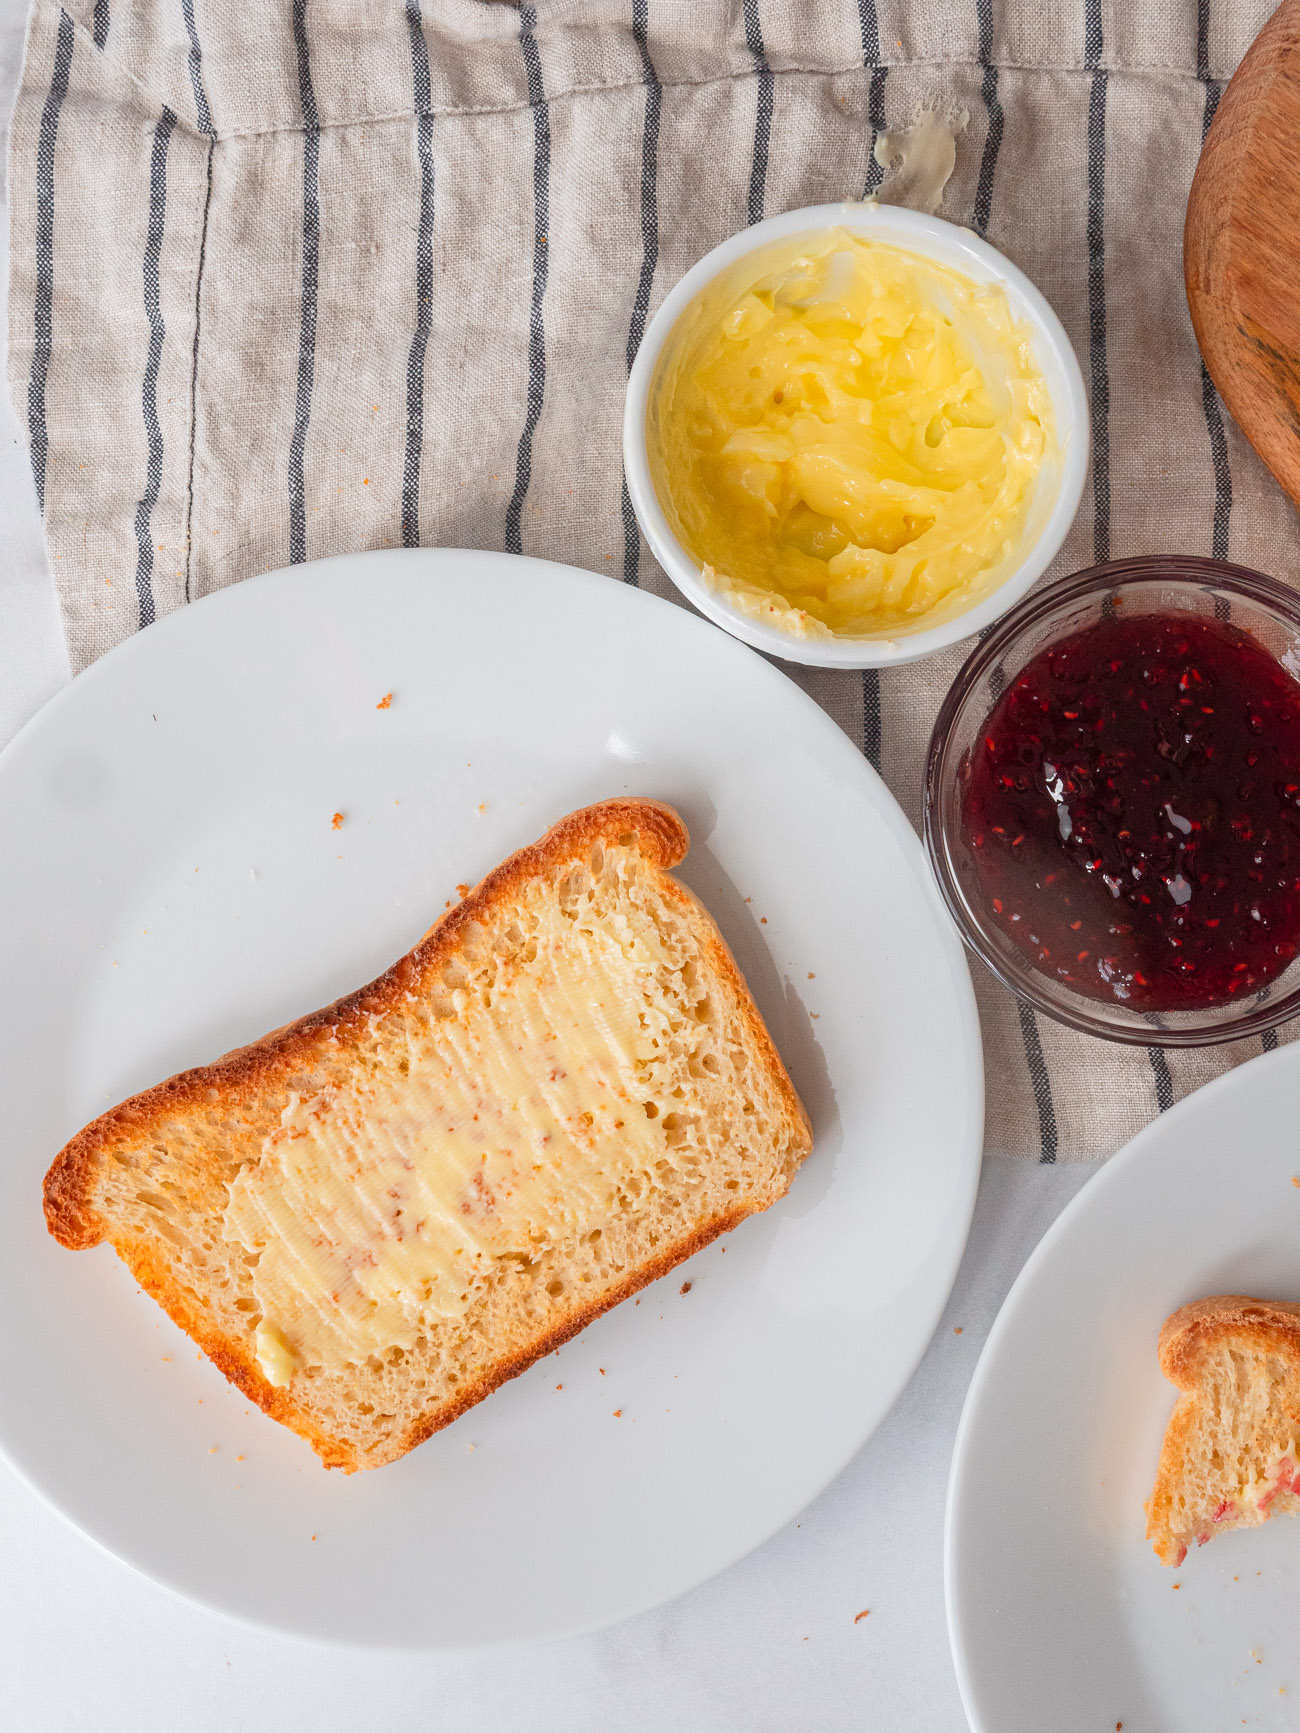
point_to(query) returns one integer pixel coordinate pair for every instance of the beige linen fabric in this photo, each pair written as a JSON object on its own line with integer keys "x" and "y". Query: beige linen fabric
{"x": 320, "y": 275}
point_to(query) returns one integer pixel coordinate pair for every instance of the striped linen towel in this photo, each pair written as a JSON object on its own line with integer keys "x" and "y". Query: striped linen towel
{"x": 320, "y": 275}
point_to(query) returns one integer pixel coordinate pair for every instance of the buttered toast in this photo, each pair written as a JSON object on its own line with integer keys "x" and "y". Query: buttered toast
{"x": 373, "y": 1217}
{"x": 1231, "y": 1454}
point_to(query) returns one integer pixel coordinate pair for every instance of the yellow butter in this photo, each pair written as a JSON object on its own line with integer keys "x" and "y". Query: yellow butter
{"x": 847, "y": 437}
{"x": 276, "y": 1358}
{"x": 378, "y": 1207}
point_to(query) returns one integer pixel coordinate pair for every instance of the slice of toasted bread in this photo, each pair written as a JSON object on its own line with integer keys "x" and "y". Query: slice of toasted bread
{"x": 1230, "y": 1456}
{"x": 373, "y": 1217}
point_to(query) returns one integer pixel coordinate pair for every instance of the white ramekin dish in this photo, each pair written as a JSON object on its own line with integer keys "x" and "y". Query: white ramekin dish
{"x": 1056, "y": 495}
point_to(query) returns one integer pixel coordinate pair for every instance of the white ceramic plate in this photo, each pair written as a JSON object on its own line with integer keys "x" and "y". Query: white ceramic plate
{"x": 1060, "y": 1614}
{"x": 171, "y": 885}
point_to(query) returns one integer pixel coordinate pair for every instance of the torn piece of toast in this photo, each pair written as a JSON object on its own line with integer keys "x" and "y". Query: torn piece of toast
{"x": 374, "y": 1216}
{"x": 1231, "y": 1455}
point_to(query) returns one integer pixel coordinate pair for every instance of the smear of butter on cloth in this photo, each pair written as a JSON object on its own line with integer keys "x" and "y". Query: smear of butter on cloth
{"x": 919, "y": 158}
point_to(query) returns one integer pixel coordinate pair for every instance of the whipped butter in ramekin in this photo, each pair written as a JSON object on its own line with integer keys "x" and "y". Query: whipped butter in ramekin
{"x": 855, "y": 435}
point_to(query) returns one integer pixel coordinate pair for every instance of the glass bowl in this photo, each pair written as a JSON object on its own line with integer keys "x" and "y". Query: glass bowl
{"x": 1268, "y": 610}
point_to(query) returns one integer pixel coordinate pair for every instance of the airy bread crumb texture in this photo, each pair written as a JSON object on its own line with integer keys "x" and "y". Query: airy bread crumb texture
{"x": 154, "y": 1176}
{"x": 1229, "y": 1458}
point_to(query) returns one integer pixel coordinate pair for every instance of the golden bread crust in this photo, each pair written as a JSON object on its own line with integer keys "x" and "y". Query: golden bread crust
{"x": 1265, "y": 1325}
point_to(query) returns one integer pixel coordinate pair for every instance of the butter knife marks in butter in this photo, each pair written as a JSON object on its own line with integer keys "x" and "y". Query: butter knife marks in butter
{"x": 381, "y": 1206}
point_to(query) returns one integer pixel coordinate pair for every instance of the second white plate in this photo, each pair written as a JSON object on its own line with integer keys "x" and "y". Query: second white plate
{"x": 1060, "y": 1614}
{"x": 172, "y": 883}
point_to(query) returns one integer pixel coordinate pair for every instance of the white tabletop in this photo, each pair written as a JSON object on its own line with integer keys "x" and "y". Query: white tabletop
{"x": 774, "y": 1643}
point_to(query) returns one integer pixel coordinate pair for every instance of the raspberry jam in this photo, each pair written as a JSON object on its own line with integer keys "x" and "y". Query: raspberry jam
{"x": 1132, "y": 808}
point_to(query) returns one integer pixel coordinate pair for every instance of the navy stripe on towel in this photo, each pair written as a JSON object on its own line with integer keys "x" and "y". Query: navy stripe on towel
{"x": 993, "y": 106}
{"x": 763, "y": 114}
{"x": 149, "y": 394}
{"x": 541, "y": 230}
{"x": 202, "y": 113}
{"x": 869, "y": 30}
{"x": 1219, "y": 458}
{"x": 872, "y": 725}
{"x": 203, "y": 118}
{"x": 1040, "y": 1081}
{"x": 99, "y": 23}
{"x": 423, "y": 280}
{"x": 1164, "y": 1082}
{"x": 1203, "y": 64}
{"x": 1100, "y": 374}
{"x": 310, "y": 278}
{"x": 649, "y": 252}
{"x": 1209, "y": 396}
{"x": 43, "y": 313}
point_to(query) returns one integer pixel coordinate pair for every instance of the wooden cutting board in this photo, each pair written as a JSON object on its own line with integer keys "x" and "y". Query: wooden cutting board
{"x": 1241, "y": 246}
